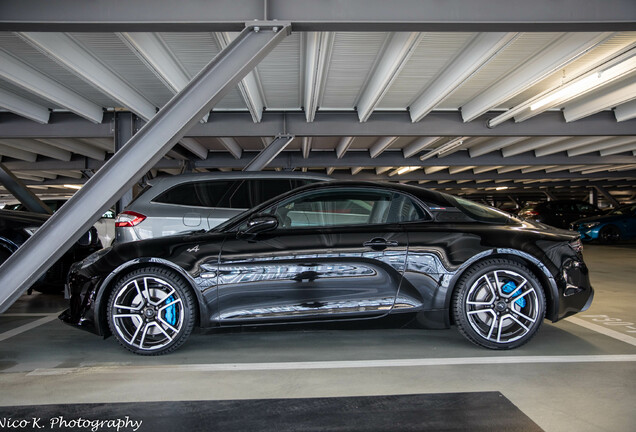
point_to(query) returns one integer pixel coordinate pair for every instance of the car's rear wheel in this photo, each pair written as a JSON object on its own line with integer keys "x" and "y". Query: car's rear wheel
{"x": 151, "y": 311}
{"x": 609, "y": 234}
{"x": 498, "y": 304}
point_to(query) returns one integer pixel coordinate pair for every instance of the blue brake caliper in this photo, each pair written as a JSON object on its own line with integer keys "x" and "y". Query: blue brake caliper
{"x": 509, "y": 287}
{"x": 171, "y": 317}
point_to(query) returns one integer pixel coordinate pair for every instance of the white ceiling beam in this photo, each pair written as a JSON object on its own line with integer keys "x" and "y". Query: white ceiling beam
{"x": 606, "y": 98}
{"x": 306, "y": 146}
{"x": 195, "y": 147}
{"x": 75, "y": 146}
{"x": 24, "y": 107}
{"x": 29, "y": 79}
{"x": 563, "y": 168}
{"x": 382, "y": 170}
{"x": 619, "y": 149}
{"x": 153, "y": 52}
{"x": 471, "y": 59}
{"x": 17, "y": 153}
{"x": 356, "y": 170}
{"x": 250, "y": 86}
{"x": 398, "y": 49}
{"x": 42, "y": 174}
{"x": 537, "y": 168}
{"x": 38, "y": 148}
{"x": 493, "y": 144}
{"x": 434, "y": 169}
{"x": 74, "y": 57}
{"x": 232, "y": 146}
{"x": 330, "y": 170}
{"x": 65, "y": 173}
{"x": 318, "y": 47}
{"x": 458, "y": 169}
{"x": 568, "y": 144}
{"x": 531, "y": 144}
{"x": 483, "y": 169}
{"x": 418, "y": 145}
{"x": 607, "y": 144}
{"x": 343, "y": 146}
{"x": 107, "y": 144}
{"x": 608, "y": 66}
{"x": 380, "y": 145}
{"x": 511, "y": 168}
{"x": 562, "y": 51}
{"x": 626, "y": 111}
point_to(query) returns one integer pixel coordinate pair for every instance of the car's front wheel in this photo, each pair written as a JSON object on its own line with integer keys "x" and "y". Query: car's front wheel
{"x": 609, "y": 234}
{"x": 151, "y": 311}
{"x": 498, "y": 304}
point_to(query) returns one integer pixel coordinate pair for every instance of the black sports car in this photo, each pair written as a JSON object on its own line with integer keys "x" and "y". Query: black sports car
{"x": 337, "y": 251}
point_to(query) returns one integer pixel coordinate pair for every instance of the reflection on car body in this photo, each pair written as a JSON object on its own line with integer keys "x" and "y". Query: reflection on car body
{"x": 337, "y": 250}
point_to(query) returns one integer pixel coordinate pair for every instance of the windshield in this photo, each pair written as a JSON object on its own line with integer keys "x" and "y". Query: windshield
{"x": 624, "y": 211}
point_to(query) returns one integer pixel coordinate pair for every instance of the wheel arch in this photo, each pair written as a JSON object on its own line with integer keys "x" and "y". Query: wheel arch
{"x": 101, "y": 297}
{"x": 542, "y": 273}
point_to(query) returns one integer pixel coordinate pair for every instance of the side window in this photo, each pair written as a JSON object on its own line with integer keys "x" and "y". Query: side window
{"x": 404, "y": 209}
{"x": 198, "y": 194}
{"x": 334, "y": 208}
{"x": 267, "y": 189}
{"x": 240, "y": 198}
{"x": 585, "y": 208}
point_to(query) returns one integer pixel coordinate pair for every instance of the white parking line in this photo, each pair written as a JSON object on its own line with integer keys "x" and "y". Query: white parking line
{"x": 230, "y": 367}
{"x": 603, "y": 330}
{"x": 26, "y": 327}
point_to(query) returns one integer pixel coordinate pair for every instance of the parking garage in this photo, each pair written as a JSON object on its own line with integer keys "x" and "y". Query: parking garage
{"x": 512, "y": 107}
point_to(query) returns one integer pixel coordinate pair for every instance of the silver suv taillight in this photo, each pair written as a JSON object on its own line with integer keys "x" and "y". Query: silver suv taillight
{"x": 129, "y": 219}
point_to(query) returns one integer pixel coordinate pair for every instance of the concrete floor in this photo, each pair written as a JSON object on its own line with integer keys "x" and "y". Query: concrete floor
{"x": 576, "y": 375}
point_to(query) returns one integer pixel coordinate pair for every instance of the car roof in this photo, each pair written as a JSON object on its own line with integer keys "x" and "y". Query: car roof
{"x": 168, "y": 181}
{"x": 418, "y": 191}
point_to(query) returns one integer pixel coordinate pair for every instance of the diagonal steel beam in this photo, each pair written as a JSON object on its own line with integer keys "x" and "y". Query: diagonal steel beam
{"x": 269, "y": 153}
{"x": 140, "y": 154}
{"x": 21, "y": 192}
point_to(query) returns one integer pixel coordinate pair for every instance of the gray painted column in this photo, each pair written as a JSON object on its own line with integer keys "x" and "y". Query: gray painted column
{"x": 269, "y": 153}
{"x": 607, "y": 196}
{"x": 124, "y": 131}
{"x": 21, "y": 192}
{"x": 140, "y": 154}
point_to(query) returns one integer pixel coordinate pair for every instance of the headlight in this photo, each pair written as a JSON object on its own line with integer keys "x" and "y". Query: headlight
{"x": 590, "y": 225}
{"x": 92, "y": 258}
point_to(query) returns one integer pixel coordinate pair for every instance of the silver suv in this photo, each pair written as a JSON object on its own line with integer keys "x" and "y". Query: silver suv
{"x": 190, "y": 202}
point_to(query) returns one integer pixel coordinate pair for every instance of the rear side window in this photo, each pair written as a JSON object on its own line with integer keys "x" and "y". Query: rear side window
{"x": 197, "y": 194}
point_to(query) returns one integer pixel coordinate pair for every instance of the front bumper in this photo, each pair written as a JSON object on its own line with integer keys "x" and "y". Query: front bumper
{"x": 575, "y": 291}
{"x": 80, "y": 289}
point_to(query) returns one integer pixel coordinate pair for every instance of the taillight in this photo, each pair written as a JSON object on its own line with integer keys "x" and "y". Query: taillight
{"x": 531, "y": 213}
{"x": 129, "y": 219}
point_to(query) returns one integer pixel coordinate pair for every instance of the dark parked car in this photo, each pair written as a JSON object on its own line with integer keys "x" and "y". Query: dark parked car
{"x": 618, "y": 224}
{"x": 559, "y": 213}
{"x": 17, "y": 226}
{"x": 337, "y": 251}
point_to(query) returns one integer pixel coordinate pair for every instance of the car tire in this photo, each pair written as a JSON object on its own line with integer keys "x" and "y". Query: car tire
{"x": 498, "y": 304}
{"x": 151, "y": 311}
{"x": 609, "y": 234}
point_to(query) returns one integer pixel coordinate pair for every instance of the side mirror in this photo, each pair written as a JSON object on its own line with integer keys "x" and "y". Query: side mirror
{"x": 260, "y": 223}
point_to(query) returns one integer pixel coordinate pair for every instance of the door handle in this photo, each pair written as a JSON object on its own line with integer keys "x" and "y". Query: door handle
{"x": 379, "y": 243}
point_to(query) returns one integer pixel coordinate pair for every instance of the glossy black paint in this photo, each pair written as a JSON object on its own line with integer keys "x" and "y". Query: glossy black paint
{"x": 15, "y": 227}
{"x": 354, "y": 272}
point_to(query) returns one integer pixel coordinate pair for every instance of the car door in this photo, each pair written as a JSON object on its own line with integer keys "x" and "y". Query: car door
{"x": 338, "y": 252}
